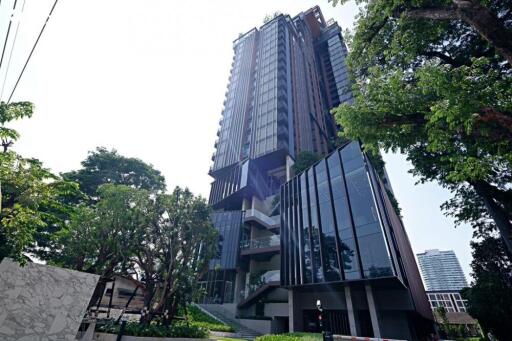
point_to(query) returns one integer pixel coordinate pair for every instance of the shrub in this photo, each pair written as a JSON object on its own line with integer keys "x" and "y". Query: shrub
{"x": 291, "y": 337}
{"x": 201, "y": 319}
{"x": 218, "y": 327}
{"x": 196, "y": 314}
{"x": 178, "y": 329}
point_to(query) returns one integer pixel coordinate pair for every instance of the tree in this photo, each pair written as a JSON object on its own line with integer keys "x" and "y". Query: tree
{"x": 438, "y": 89}
{"x": 490, "y": 295}
{"x": 175, "y": 253}
{"x": 490, "y": 20}
{"x": 108, "y": 167}
{"x": 32, "y": 206}
{"x": 11, "y": 112}
{"x": 101, "y": 238}
{"x": 270, "y": 17}
{"x": 304, "y": 160}
{"x": 164, "y": 240}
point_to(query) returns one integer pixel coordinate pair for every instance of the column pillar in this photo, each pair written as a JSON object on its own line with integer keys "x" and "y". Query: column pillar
{"x": 373, "y": 310}
{"x": 289, "y": 164}
{"x": 350, "y": 311}
{"x": 239, "y": 285}
{"x": 294, "y": 315}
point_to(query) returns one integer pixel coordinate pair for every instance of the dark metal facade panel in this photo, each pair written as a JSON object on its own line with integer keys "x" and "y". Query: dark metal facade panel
{"x": 229, "y": 225}
{"x": 334, "y": 231}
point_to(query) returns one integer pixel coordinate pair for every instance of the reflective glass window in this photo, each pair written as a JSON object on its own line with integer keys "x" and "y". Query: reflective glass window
{"x": 315, "y": 232}
{"x": 332, "y": 271}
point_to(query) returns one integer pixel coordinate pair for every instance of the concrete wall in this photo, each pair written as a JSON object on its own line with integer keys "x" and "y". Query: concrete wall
{"x": 262, "y": 326}
{"x": 394, "y": 324}
{"x": 276, "y": 309}
{"x": 390, "y": 299}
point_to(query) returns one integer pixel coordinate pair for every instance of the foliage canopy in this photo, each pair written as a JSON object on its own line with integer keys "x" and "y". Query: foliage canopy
{"x": 432, "y": 82}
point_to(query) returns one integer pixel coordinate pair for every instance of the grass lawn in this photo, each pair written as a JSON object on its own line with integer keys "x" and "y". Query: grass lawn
{"x": 291, "y": 337}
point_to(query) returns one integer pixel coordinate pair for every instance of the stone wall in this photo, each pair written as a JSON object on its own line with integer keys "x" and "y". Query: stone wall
{"x": 42, "y": 303}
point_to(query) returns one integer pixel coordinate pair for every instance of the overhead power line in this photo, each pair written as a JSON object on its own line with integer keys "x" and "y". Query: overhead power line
{"x": 7, "y": 34}
{"x": 12, "y": 49}
{"x": 32, "y": 51}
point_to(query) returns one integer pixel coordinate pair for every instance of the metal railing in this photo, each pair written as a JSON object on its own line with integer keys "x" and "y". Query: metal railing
{"x": 253, "y": 214}
{"x": 259, "y": 243}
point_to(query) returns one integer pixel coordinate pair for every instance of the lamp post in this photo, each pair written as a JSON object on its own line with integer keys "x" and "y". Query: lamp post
{"x": 326, "y": 334}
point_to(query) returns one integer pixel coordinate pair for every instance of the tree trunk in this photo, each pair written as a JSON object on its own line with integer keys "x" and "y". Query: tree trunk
{"x": 98, "y": 292}
{"x": 487, "y": 25}
{"x": 499, "y": 215}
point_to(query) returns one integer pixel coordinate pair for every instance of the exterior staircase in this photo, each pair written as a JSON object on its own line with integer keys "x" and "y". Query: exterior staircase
{"x": 222, "y": 314}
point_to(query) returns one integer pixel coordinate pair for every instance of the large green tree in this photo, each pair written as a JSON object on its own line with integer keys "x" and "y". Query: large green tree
{"x": 432, "y": 81}
{"x": 100, "y": 238}
{"x": 32, "y": 206}
{"x": 11, "y": 112}
{"x": 175, "y": 253}
{"x": 31, "y": 197}
{"x": 490, "y": 295}
{"x": 164, "y": 240}
{"x": 104, "y": 166}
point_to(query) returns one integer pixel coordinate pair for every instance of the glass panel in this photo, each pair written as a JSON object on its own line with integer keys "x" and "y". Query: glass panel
{"x": 374, "y": 254}
{"x": 332, "y": 271}
{"x": 374, "y": 257}
{"x": 349, "y": 258}
{"x": 361, "y": 198}
{"x": 315, "y": 233}
{"x": 308, "y": 273}
{"x": 341, "y": 210}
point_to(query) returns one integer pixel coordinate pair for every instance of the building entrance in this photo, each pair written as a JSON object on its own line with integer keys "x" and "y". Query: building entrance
{"x": 335, "y": 321}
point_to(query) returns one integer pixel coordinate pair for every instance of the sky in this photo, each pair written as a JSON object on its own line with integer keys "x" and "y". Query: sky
{"x": 148, "y": 78}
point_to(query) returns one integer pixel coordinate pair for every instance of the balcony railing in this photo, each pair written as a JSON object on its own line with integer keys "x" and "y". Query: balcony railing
{"x": 255, "y": 215}
{"x": 259, "y": 243}
{"x": 271, "y": 276}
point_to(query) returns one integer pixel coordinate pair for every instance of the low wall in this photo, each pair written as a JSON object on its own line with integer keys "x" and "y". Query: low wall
{"x": 113, "y": 337}
{"x": 359, "y": 338}
{"x": 261, "y": 326}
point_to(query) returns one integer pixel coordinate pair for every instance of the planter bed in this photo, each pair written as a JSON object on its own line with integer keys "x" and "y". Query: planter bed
{"x": 113, "y": 337}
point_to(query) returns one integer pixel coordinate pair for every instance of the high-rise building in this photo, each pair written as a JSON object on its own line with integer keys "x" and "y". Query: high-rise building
{"x": 328, "y": 233}
{"x": 441, "y": 270}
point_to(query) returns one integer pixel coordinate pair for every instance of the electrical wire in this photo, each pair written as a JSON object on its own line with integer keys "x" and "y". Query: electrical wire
{"x": 12, "y": 49}
{"x": 32, "y": 51}
{"x": 7, "y": 34}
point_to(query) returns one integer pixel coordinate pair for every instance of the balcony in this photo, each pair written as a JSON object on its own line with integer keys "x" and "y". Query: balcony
{"x": 269, "y": 280}
{"x": 260, "y": 247}
{"x": 262, "y": 219}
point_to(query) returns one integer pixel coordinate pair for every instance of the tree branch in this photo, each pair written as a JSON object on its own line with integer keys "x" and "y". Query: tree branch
{"x": 435, "y": 13}
{"x": 445, "y": 58}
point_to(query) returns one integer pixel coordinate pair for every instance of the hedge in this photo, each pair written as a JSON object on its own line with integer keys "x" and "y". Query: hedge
{"x": 178, "y": 329}
{"x": 218, "y": 327}
{"x": 290, "y": 337}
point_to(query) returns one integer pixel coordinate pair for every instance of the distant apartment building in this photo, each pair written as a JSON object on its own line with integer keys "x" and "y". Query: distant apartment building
{"x": 444, "y": 278}
{"x": 441, "y": 270}
{"x": 329, "y": 233}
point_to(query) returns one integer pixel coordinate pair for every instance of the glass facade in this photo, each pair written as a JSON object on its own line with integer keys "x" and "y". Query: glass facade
{"x": 340, "y": 233}
{"x": 229, "y": 225}
{"x": 441, "y": 270}
{"x": 270, "y": 118}
{"x": 337, "y": 54}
